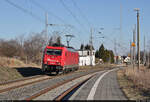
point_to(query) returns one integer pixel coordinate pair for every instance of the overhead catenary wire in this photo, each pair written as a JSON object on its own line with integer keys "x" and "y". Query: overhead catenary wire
{"x": 51, "y": 13}
{"x": 25, "y": 11}
{"x": 72, "y": 14}
{"x": 48, "y": 11}
{"x": 123, "y": 48}
{"x": 82, "y": 14}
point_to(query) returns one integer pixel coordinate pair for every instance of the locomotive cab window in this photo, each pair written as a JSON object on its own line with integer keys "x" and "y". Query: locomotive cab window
{"x": 54, "y": 52}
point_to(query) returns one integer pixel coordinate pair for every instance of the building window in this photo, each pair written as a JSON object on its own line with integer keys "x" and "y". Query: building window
{"x": 88, "y": 53}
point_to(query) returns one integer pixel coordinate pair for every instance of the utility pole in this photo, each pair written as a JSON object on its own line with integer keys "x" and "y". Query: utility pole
{"x": 134, "y": 47}
{"x": 115, "y": 48}
{"x": 131, "y": 53}
{"x": 46, "y": 26}
{"x": 68, "y": 37}
{"x": 91, "y": 45}
{"x": 148, "y": 58}
{"x": 120, "y": 20}
{"x": 121, "y": 35}
{"x": 144, "y": 57}
{"x": 138, "y": 37}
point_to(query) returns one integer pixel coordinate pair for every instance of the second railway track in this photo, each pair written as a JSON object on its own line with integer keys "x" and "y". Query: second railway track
{"x": 80, "y": 80}
{"x": 33, "y": 88}
{"x": 22, "y": 82}
{"x": 7, "y": 86}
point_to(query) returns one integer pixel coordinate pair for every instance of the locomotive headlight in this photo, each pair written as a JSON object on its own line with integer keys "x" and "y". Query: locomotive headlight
{"x": 58, "y": 63}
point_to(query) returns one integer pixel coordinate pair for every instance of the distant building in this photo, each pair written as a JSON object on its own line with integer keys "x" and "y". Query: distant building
{"x": 127, "y": 60}
{"x": 85, "y": 58}
{"x": 118, "y": 59}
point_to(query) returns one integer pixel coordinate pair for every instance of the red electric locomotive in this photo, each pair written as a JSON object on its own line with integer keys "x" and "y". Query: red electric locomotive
{"x": 56, "y": 59}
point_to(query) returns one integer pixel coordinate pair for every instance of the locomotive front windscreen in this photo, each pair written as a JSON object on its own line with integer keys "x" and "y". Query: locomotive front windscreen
{"x": 54, "y": 52}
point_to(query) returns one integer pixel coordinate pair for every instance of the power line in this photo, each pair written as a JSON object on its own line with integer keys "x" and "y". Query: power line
{"x": 25, "y": 11}
{"x": 51, "y": 14}
{"x": 82, "y": 14}
{"x": 71, "y": 13}
{"x": 44, "y": 9}
{"x": 118, "y": 44}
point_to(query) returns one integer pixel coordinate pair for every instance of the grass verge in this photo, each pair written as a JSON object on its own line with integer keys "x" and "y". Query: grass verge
{"x": 129, "y": 87}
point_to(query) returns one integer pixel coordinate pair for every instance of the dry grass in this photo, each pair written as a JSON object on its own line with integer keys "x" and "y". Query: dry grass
{"x": 135, "y": 84}
{"x": 99, "y": 66}
{"x": 140, "y": 77}
{"x": 12, "y": 62}
{"x": 10, "y": 67}
{"x": 7, "y": 74}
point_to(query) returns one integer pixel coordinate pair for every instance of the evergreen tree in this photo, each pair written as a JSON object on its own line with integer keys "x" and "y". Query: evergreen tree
{"x": 82, "y": 47}
{"x": 101, "y": 51}
{"x": 97, "y": 54}
{"x": 104, "y": 54}
{"x": 88, "y": 47}
{"x": 112, "y": 56}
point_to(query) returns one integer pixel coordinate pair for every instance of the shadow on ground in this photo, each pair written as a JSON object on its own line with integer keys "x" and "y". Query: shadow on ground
{"x": 29, "y": 71}
{"x": 32, "y": 71}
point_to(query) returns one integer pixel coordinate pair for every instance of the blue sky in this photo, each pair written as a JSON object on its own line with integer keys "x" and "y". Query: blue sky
{"x": 99, "y": 13}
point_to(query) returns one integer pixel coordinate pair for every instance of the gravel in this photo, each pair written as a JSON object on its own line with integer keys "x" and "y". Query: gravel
{"x": 26, "y": 91}
{"x": 59, "y": 90}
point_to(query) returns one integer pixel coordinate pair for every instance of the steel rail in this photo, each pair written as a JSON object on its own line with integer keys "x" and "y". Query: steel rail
{"x": 28, "y": 83}
{"x": 53, "y": 87}
{"x": 19, "y": 80}
{"x": 74, "y": 87}
{"x": 14, "y": 87}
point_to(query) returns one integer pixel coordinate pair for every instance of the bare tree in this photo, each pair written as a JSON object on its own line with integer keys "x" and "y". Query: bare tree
{"x": 30, "y": 48}
{"x": 9, "y": 48}
{"x": 33, "y": 47}
{"x": 55, "y": 39}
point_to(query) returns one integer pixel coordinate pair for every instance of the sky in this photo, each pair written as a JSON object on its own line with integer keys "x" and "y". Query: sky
{"x": 22, "y": 17}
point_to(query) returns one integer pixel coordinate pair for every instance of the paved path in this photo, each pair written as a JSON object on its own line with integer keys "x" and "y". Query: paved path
{"x": 107, "y": 88}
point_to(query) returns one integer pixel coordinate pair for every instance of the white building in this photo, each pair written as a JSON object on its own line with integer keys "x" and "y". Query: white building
{"x": 85, "y": 58}
{"x": 127, "y": 59}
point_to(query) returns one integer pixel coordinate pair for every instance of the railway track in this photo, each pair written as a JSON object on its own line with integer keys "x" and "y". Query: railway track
{"x": 22, "y": 82}
{"x": 22, "y": 79}
{"x": 37, "y": 87}
{"x": 65, "y": 94}
{"x": 7, "y": 86}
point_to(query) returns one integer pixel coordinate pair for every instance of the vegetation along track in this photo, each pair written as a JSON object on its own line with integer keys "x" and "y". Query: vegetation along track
{"x": 60, "y": 84}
